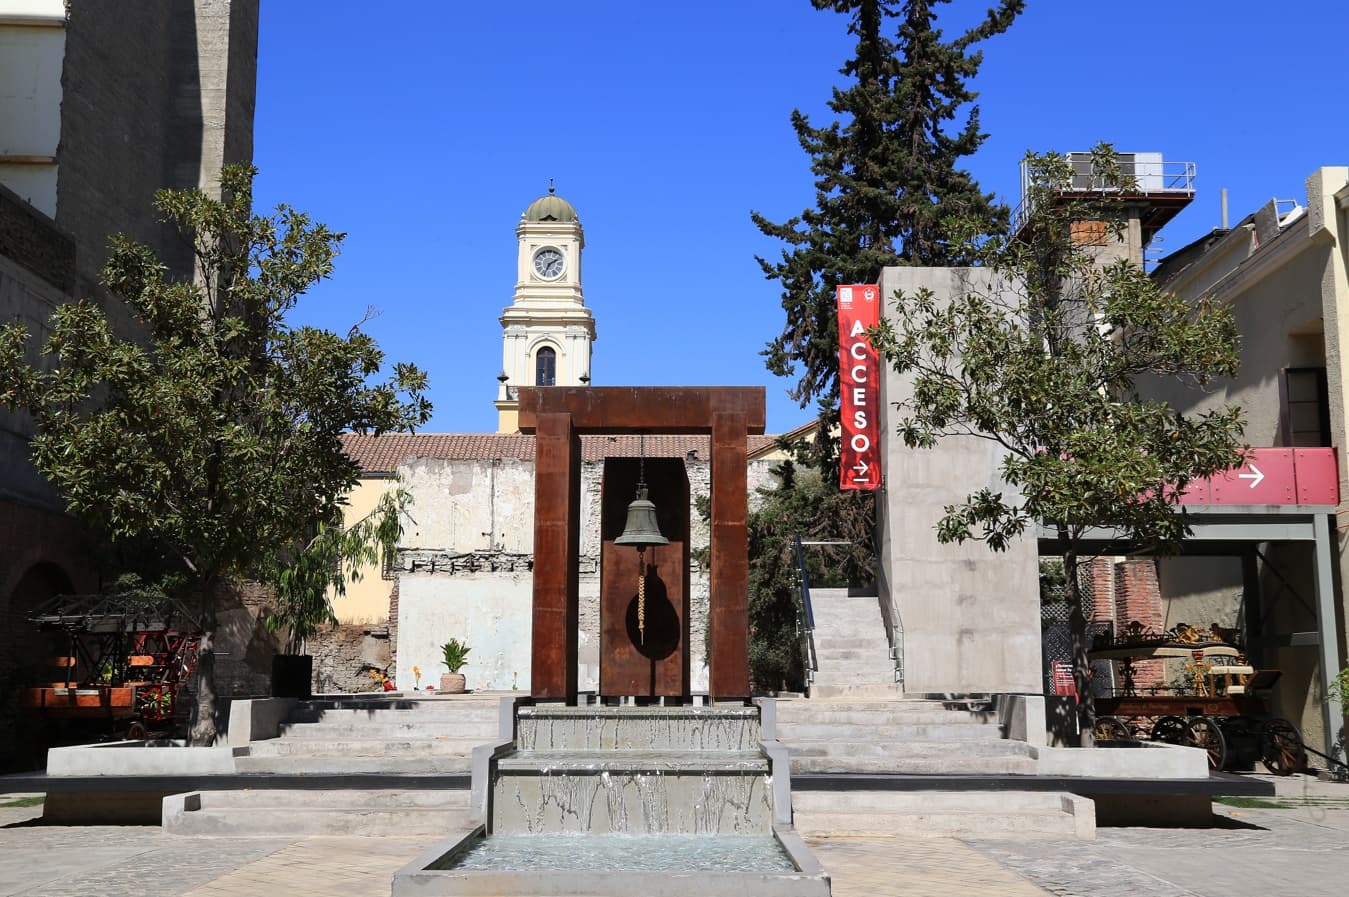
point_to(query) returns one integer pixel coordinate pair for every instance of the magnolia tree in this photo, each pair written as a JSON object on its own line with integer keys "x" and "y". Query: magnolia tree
{"x": 1047, "y": 362}
{"x": 211, "y": 441}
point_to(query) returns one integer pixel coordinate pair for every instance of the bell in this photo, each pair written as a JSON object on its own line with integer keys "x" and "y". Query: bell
{"x": 641, "y": 529}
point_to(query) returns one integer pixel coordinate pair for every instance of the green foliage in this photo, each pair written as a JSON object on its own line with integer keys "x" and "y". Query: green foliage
{"x": 455, "y": 655}
{"x": 324, "y": 565}
{"x": 1046, "y": 363}
{"x": 1339, "y": 686}
{"x": 798, "y": 505}
{"x": 211, "y": 441}
{"x": 888, "y": 187}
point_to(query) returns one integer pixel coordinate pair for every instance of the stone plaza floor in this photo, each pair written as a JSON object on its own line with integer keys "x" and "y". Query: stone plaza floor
{"x": 1300, "y": 847}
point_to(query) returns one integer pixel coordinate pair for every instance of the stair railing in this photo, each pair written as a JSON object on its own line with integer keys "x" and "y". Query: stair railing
{"x": 805, "y": 613}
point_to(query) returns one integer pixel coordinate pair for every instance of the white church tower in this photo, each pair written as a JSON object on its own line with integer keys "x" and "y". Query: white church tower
{"x": 546, "y": 331}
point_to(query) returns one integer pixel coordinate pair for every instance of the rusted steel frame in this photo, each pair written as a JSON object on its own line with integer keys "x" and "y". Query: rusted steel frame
{"x": 643, "y": 409}
{"x": 557, "y": 489}
{"x": 728, "y": 611}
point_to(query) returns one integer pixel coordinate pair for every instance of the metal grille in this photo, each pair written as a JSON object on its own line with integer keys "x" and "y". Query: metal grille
{"x": 1056, "y": 635}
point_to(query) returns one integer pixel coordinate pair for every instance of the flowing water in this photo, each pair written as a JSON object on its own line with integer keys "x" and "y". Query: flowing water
{"x": 625, "y": 853}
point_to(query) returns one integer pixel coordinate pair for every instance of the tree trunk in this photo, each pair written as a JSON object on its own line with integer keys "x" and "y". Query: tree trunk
{"x": 1077, "y": 624}
{"x": 203, "y": 726}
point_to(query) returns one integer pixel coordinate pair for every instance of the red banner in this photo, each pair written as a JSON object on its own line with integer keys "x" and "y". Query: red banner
{"x": 858, "y": 379}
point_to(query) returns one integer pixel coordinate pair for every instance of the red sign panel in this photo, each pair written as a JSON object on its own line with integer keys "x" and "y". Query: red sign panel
{"x": 859, "y": 379}
{"x": 1272, "y": 476}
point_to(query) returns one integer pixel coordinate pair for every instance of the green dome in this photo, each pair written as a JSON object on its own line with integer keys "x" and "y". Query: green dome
{"x": 550, "y": 208}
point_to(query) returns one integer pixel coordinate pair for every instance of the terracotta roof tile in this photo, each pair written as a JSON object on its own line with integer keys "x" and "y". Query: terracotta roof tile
{"x": 383, "y": 454}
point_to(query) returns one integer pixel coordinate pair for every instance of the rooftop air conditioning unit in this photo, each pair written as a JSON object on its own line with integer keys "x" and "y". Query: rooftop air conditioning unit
{"x": 1144, "y": 168}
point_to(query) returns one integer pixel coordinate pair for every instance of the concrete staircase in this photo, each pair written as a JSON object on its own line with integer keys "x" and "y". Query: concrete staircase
{"x": 377, "y": 735}
{"x": 910, "y": 737}
{"x": 266, "y": 813}
{"x": 902, "y": 737}
{"x": 944, "y": 814}
{"x": 851, "y": 647}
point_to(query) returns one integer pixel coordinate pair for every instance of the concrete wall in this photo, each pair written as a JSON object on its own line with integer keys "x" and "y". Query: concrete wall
{"x": 466, "y": 570}
{"x": 970, "y": 617}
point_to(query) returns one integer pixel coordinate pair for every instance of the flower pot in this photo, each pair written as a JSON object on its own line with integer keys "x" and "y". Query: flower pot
{"x": 453, "y": 683}
{"x": 292, "y": 676}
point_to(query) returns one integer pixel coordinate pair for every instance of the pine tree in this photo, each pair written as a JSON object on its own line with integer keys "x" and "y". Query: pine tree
{"x": 888, "y": 189}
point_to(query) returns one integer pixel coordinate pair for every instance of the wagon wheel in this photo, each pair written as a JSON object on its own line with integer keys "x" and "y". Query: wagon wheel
{"x": 1112, "y": 728}
{"x": 136, "y": 731}
{"x": 1170, "y": 729}
{"x": 1204, "y": 733}
{"x": 1281, "y": 748}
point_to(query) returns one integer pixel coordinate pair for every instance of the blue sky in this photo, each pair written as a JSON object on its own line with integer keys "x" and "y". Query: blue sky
{"x": 423, "y": 131}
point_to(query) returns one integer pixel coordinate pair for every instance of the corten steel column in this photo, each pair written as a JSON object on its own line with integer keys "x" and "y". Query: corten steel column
{"x": 728, "y": 611}
{"x": 557, "y": 481}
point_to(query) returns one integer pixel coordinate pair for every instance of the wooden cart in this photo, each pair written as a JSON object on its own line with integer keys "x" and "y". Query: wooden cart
{"x": 1225, "y": 714}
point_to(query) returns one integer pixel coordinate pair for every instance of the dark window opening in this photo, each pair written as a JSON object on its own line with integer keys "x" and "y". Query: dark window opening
{"x": 545, "y": 367}
{"x": 1304, "y": 408}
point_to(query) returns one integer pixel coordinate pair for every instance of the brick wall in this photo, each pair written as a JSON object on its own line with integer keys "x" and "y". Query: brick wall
{"x": 345, "y": 654}
{"x": 1138, "y": 598}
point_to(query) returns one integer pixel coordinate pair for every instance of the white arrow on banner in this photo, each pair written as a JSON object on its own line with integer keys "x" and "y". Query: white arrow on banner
{"x": 861, "y": 476}
{"x": 1255, "y": 478}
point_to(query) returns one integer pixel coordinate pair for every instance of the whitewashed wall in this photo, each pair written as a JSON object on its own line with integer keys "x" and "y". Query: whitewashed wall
{"x": 466, "y": 570}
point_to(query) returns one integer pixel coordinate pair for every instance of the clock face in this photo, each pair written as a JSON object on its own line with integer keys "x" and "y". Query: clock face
{"x": 548, "y": 262}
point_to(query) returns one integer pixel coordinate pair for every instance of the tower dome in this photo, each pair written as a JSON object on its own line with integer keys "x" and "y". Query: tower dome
{"x": 550, "y": 208}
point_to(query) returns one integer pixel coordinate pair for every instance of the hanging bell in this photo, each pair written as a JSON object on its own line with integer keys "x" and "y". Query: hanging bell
{"x": 641, "y": 529}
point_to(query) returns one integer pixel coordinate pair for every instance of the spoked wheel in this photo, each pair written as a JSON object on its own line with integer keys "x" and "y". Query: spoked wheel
{"x": 136, "y": 731}
{"x": 1112, "y": 728}
{"x": 1281, "y": 748}
{"x": 1170, "y": 729}
{"x": 1204, "y": 733}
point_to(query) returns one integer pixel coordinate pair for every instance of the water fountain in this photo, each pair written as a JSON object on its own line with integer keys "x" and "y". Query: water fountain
{"x": 626, "y": 800}
{"x": 654, "y": 792}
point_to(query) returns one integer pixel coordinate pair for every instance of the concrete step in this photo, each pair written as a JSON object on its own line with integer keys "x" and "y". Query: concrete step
{"x": 379, "y": 728}
{"x": 852, "y": 710}
{"x": 445, "y": 715}
{"x": 858, "y": 640}
{"x": 404, "y": 765}
{"x": 951, "y": 750}
{"x": 367, "y": 798}
{"x": 361, "y": 747}
{"x": 950, "y": 764}
{"x": 936, "y": 814}
{"x": 259, "y": 813}
{"x": 897, "y": 734}
{"x": 878, "y": 652}
{"x": 883, "y": 719}
{"x": 876, "y": 690}
{"x": 854, "y": 675}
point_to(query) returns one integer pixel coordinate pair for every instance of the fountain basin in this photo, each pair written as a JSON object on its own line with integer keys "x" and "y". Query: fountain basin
{"x": 474, "y": 865}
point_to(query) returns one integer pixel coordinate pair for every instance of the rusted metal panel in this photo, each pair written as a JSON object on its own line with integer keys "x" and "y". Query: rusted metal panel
{"x": 556, "y": 497}
{"x": 728, "y": 614}
{"x": 643, "y": 409}
{"x": 658, "y": 664}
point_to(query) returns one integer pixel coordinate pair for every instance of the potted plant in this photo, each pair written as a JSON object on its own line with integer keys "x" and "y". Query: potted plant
{"x": 455, "y": 656}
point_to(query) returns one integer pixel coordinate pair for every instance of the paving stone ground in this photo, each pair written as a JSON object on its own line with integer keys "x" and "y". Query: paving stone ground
{"x": 1252, "y": 852}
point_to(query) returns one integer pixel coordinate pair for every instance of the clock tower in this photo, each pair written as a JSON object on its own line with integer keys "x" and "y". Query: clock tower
{"x": 546, "y": 330}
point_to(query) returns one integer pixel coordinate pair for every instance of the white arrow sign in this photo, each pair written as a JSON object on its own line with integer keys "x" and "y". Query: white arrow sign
{"x": 1255, "y": 477}
{"x": 861, "y": 467}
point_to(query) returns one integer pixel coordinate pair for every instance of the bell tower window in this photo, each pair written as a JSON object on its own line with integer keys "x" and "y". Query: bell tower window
{"x": 545, "y": 367}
